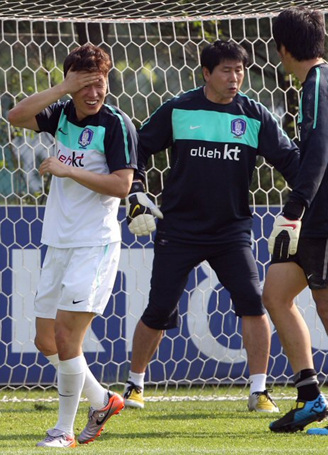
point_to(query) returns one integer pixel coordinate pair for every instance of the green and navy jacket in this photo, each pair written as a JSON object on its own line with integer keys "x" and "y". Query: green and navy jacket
{"x": 214, "y": 148}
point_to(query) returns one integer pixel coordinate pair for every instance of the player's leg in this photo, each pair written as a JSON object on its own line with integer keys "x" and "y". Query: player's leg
{"x": 315, "y": 267}
{"x": 320, "y": 297}
{"x": 171, "y": 267}
{"x": 45, "y": 336}
{"x": 70, "y": 332}
{"x": 256, "y": 328}
{"x": 145, "y": 343}
{"x": 48, "y": 293}
{"x": 245, "y": 291}
{"x": 94, "y": 276}
{"x": 87, "y": 275}
{"x": 314, "y": 257}
{"x": 46, "y": 299}
{"x": 283, "y": 282}
{"x": 97, "y": 269}
{"x": 70, "y": 328}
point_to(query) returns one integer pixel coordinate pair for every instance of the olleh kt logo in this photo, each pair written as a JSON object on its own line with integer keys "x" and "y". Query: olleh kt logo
{"x": 227, "y": 154}
{"x": 75, "y": 160}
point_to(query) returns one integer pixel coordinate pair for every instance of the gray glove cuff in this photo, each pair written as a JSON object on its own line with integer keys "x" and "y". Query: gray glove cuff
{"x": 137, "y": 187}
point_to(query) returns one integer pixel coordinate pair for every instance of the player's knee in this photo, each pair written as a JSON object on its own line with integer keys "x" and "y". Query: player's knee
{"x": 270, "y": 302}
{"x": 322, "y": 309}
{"x": 46, "y": 346}
{"x": 63, "y": 337}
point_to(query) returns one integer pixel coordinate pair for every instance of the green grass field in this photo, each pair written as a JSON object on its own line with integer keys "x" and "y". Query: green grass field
{"x": 163, "y": 427}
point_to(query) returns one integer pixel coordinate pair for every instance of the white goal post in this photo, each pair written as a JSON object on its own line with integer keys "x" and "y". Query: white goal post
{"x": 155, "y": 47}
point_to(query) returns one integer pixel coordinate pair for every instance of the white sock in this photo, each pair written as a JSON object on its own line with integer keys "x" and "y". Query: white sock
{"x": 257, "y": 382}
{"x": 53, "y": 359}
{"x": 71, "y": 376}
{"x": 137, "y": 379}
{"x": 95, "y": 393}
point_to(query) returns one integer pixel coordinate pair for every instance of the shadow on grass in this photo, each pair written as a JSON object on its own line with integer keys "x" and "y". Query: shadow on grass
{"x": 201, "y": 415}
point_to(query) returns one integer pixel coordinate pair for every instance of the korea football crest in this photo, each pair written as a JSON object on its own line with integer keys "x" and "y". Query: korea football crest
{"x": 238, "y": 127}
{"x": 85, "y": 137}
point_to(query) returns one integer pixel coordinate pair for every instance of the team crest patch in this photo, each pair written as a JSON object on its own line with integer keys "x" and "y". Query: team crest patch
{"x": 85, "y": 137}
{"x": 238, "y": 127}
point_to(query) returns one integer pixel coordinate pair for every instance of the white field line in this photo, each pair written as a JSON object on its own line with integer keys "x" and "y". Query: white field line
{"x": 152, "y": 399}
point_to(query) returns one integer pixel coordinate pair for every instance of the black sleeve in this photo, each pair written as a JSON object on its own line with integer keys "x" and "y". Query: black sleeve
{"x": 314, "y": 140}
{"x": 154, "y": 136}
{"x": 276, "y": 147}
{"x": 48, "y": 118}
{"x": 121, "y": 143}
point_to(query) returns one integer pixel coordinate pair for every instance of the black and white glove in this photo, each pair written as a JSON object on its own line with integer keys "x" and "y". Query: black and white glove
{"x": 283, "y": 240}
{"x": 141, "y": 211}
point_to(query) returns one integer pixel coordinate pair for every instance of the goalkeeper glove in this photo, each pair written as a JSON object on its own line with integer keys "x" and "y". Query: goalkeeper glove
{"x": 284, "y": 237}
{"x": 141, "y": 211}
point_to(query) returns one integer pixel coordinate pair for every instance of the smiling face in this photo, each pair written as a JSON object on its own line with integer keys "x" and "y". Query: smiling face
{"x": 224, "y": 82}
{"x": 89, "y": 100}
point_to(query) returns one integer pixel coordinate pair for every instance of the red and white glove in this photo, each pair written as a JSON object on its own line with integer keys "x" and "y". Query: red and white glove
{"x": 284, "y": 237}
{"x": 141, "y": 211}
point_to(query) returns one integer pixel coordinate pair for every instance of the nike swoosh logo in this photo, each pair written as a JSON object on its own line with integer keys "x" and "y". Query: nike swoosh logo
{"x": 61, "y": 131}
{"x": 194, "y": 127}
{"x": 101, "y": 421}
{"x": 77, "y": 301}
{"x": 135, "y": 208}
{"x": 294, "y": 226}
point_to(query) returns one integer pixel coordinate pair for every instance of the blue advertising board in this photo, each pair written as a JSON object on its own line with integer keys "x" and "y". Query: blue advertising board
{"x": 207, "y": 345}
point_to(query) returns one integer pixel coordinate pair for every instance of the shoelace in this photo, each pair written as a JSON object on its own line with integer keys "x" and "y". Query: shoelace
{"x": 131, "y": 388}
{"x": 266, "y": 393}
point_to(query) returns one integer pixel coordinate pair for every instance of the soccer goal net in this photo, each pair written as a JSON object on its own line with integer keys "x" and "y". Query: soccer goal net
{"x": 155, "y": 48}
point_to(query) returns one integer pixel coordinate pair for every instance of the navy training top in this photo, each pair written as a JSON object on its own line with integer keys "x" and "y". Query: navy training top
{"x": 214, "y": 151}
{"x": 311, "y": 187}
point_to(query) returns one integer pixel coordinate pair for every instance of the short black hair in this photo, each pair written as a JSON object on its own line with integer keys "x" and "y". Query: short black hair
{"x": 213, "y": 54}
{"x": 302, "y": 31}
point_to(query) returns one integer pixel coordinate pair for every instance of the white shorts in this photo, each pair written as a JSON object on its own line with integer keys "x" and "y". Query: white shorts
{"x": 77, "y": 279}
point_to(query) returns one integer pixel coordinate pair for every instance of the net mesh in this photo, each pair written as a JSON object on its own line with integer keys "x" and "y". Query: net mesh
{"x": 155, "y": 47}
{"x": 132, "y": 10}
